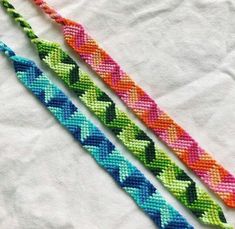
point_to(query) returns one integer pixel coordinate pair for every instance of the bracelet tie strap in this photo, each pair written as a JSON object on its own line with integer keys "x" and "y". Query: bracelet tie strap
{"x": 156, "y": 160}
{"x": 217, "y": 178}
{"x": 128, "y": 177}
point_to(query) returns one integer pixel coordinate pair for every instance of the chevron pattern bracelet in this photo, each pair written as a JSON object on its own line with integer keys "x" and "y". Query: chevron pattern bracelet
{"x": 157, "y": 161}
{"x": 143, "y": 147}
{"x": 93, "y": 140}
{"x": 217, "y": 178}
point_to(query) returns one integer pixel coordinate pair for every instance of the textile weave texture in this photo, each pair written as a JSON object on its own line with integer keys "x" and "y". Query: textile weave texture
{"x": 217, "y": 178}
{"x": 143, "y": 147}
{"x": 93, "y": 140}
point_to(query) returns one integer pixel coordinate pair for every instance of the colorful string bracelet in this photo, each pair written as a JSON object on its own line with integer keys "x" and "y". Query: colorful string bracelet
{"x": 217, "y": 178}
{"x": 93, "y": 140}
{"x": 143, "y": 147}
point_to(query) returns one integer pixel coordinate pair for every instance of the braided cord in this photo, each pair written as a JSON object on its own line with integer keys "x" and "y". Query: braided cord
{"x": 53, "y": 14}
{"x": 143, "y": 147}
{"x": 24, "y": 24}
{"x": 93, "y": 140}
{"x": 217, "y": 178}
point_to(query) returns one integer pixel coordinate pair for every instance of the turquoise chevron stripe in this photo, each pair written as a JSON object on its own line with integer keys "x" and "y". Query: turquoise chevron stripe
{"x": 178, "y": 183}
{"x": 128, "y": 177}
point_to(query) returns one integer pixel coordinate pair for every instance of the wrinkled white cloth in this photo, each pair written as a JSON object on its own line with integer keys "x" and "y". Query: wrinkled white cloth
{"x": 181, "y": 52}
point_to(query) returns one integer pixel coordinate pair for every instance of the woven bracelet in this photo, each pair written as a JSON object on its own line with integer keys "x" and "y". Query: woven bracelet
{"x": 217, "y": 178}
{"x": 93, "y": 140}
{"x": 171, "y": 176}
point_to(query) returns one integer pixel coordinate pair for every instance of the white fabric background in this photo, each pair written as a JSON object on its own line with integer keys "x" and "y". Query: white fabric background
{"x": 181, "y": 52}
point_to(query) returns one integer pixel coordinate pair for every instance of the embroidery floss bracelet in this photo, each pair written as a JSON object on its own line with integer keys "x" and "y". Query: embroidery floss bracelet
{"x": 157, "y": 161}
{"x": 217, "y": 178}
{"x": 128, "y": 177}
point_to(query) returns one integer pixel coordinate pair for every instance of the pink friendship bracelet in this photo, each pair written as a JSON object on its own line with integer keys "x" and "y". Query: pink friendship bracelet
{"x": 217, "y": 178}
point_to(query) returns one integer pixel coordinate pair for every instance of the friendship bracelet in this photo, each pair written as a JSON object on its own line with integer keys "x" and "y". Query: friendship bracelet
{"x": 93, "y": 140}
{"x": 143, "y": 147}
{"x": 217, "y": 178}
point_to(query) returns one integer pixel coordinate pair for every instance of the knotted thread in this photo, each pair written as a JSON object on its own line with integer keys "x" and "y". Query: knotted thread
{"x": 217, "y": 178}
{"x": 127, "y": 176}
{"x": 136, "y": 140}
{"x": 6, "y": 50}
{"x": 50, "y": 11}
{"x": 27, "y": 28}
